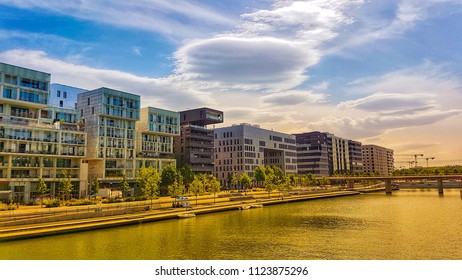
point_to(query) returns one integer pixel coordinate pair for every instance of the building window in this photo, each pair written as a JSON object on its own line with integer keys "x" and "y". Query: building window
{"x": 88, "y": 101}
{"x": 65, "y": 94}
{"x": 92, "y": 110}
{"x": 61, "y": 103}
{"x": 58, "y": 93}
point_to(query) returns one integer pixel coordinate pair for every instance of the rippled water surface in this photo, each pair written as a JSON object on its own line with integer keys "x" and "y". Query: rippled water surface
{"x": 410, "y": 224}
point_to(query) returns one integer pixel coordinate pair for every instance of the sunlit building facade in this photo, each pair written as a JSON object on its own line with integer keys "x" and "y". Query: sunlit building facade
{"x": 241, "y": 148}
{"x": 377, "y": 159}
{"x": 155, "y": 133}
{"x": 33, "y": 144}
{"x": 194, "y": 146}
{"x": 324, "y": 154}
{"x": 109, "y": 118}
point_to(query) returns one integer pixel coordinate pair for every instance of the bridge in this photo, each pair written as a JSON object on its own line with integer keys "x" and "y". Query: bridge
{"x": 390, "y": 179}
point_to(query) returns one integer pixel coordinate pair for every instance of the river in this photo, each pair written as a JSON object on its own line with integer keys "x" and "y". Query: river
{"x": 410, "y": 224}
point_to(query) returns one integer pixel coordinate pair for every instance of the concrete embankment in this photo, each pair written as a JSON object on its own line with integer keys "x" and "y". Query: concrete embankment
{"x": 70, "y": 226}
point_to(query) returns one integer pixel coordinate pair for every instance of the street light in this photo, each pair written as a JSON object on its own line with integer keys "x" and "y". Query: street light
{"x": 428, "y": 159}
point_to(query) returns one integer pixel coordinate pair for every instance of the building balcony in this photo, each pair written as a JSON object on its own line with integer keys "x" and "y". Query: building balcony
{"x": 201, "y": 160}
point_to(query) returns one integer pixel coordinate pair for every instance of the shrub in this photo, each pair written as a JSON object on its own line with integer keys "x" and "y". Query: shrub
{"x": 113, "y": 200}
{"x": 51, "y": 203}
{"x": 5, "y": 207}
{"x": 77, "y": 202}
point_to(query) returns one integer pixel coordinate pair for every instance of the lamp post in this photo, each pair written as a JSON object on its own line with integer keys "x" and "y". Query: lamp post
{"x": 428, "y": 159}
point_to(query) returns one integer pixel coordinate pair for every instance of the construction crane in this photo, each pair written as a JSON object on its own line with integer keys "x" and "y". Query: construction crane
{"x": 415, "y": 158}
{"x": 432, "y": 158}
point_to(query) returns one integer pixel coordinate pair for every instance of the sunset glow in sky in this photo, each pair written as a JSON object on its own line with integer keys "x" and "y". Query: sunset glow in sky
{"x": 382, "y": 72}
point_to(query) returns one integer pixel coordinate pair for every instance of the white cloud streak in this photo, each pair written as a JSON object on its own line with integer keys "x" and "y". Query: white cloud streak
{"x": 179, "y": 19}
{"x": 164, "y": 93}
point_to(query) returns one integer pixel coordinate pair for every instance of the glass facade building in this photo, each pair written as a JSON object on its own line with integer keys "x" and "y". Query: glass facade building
{"x": 32, "y": 144}
{"x": 109, "y": 118}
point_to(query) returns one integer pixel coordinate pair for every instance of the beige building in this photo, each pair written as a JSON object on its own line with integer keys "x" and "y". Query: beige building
{"x": 155, "y": 132}
{"x": 377, "y": 159}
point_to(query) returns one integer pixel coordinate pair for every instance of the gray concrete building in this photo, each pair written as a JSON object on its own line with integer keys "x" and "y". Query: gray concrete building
{"x": 324, "y": 154}
{"x": 241, "y": 148}
{"x": 194, "y": 145}
{"x": 312, "y": 153}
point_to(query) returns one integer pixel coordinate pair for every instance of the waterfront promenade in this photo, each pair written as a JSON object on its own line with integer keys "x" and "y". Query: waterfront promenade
{"x": 31, "y": 222}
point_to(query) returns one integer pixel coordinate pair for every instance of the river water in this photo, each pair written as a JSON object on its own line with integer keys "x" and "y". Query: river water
{"x": 410, "y": 224}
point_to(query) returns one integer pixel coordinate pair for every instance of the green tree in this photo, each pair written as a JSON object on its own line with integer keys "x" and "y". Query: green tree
{"x": 234, "y": 180}
{"x": 270, "y": 180}
{"x": 176, "y": 186}
{"x": 94, "y": 185}
{"x": 214, "y": 187}
{"x": 124, "y": 185}
{"x": 169, "y": 175}
{"x": 286, "y": 185}
{"x": 148, "y": 179}
{"x": 324, "y": 181}
{"x": 187, "y": 174}
{"x": 196, "y": 187}
{"x": 65, "y": 185}
{"x": 260, "y": 175}
{"x": 42, "y": 189}
{"x": 292, "y": 179}
{"x": 245, "y": 180}
{"x": 311, "y": 180}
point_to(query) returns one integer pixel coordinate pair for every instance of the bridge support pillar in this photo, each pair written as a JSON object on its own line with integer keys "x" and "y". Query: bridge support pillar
{"x": 350, "y": 184}
{"x": 388, "y": 186}
{"x": 440, "y": 186}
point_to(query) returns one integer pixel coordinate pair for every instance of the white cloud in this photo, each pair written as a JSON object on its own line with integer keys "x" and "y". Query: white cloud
{"x": 165, "y": 93}
{"x": 178, "y": 19}
{"x": 293, "y": 97}
{"x": 364, "y": 127}
{"x": 412, "y": 97}
{"x": 137, "y": 51}
{"x": 246, "y": 63}
{"x": 373, "y": 25}
{"x": 390, "y": 102}
{"x": 269, "y": 50}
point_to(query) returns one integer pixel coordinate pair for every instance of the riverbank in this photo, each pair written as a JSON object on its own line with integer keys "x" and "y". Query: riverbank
{"x": 9, "y": 233}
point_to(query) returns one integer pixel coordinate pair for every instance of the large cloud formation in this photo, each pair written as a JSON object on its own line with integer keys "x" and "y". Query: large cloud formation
{"x": 245, "y": 62}
{"x": 269, "y": 50}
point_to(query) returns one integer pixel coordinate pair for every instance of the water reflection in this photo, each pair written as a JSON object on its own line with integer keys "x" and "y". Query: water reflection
{"x": 405, "y": 225}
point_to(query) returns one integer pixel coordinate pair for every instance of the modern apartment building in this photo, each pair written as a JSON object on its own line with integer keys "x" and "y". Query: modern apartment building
{"x": 194, "y": 146}
{"x": 109, "y": 117}
{"x": 339, "y": 156}
{"x": 312, "y": 153}
{"x": 241, "y": 148}
{"x": 378, "y": 159}
{"x": 356, "y": 156}
{"x": 155, "y": 132}
{"x": 324, "y": 154}
{"x": 63, "y": 96}
{"x": 32, "y": 144}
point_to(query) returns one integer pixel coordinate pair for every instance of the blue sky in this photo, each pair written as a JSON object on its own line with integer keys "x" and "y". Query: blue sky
{"x": 382, "y": 72}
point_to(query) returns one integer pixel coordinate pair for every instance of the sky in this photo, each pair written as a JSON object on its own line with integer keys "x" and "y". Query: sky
{"x": 384, "y": 72}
